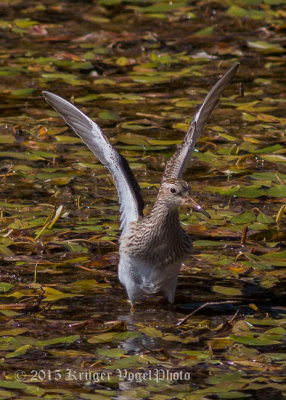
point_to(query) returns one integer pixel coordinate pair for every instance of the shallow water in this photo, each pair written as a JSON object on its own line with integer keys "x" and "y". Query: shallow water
{"x": 141, "y": 70}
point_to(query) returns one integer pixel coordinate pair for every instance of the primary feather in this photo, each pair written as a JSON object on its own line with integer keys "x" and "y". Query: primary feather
{"x": 177, "y": 164}
{"x": 131, "y": 202}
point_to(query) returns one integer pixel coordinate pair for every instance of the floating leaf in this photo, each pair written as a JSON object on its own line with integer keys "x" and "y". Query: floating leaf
{"x": 253, "y": 341}
{"x": 208, "y": 243}
{"x": 21, "y": 351}
{"x": 225, "y": 378}
{"x": 244, "y": 218}
{"x": 104, "y": 81}
{"x": 88, "y": 97}
{"x": 228, "y": 291}
{"x": 265, "y": 219}
{"x": 22, "y": 92}
{"x": 7, "y": 139}
{"x": 277, "y": 191}
{"x": 251, "y": 191}
{"x": 258, "y": 226}
{"x": 112, "y": 353}
{"x": 205, "y": 31}
{"x": 17, "y": 385}
{"x": 269, "y": 149}
{"x": 58, "y": 340}
{"x": 133, "y": 127}
{"x": 236, "y": 11}
{"x": 150, "y": 331}
{"x": 25, "y": 23}
{"x": 274, "y": 158}
{"x": 220, "y": 343}
{"x": 265, "y": 47}
{"x": 52, "y": 294}
{"x": 156, "y": 79}
{"x": 4, "y": 288}
{"x": 110, "y": 336}
{"x": 106, "y": 115}
{"x": 270, "y": 118}
{"x": 13, "y": 332}
{"x": 103, "y": 337}
{"x": 84, "y": 286}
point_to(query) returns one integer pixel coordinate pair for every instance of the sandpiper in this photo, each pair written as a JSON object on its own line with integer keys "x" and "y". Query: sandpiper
{"x": 152, "y": 247}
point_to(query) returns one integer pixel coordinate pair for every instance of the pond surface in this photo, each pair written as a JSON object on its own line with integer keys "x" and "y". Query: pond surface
{"x": 141, "y": 69}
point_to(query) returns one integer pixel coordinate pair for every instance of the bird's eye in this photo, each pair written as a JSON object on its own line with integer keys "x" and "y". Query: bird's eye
{"x": 173, "y": 190}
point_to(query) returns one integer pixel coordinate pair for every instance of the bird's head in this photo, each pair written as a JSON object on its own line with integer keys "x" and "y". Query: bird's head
{"x": 176, "y": 193}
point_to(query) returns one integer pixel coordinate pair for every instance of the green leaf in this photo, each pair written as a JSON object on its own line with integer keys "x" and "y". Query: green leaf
{"x": 8, "y": 139}
{"x": 258, "y": 226}
{"x": 107, "y": 115}
{"x": 265, "y": 47}
{"x": 88, "y": 97}
{"x": 209, "y": 157}
{"x": 274, "y": 2}
{"x": 13, "y": 332}
{"x": 228, "y": 291}
{"x": 225, "y": 378}
{"x": 251, "y": 191}
{"x": 19, "y": 352}
{"x": 274, "y": 158}
{"x": 22, "y": 92}
{"x": 112, "y": 353}
{"x": 236, "y": 11}
{"x": 265, "y": 219}
{"x": 277, "y": 191}
{"x": 58, "y": 340}
{"x": 257, "y": 14}
{"x": 27, "y": 388}
{"x": 127, "y": 362}
{"x": 5, "y": 287}
{"x": 52, "y": 294}
{"x": 86, "y": 285}
{"x": 25, "y": 23}
{"x": 244, "y": 218}
{"x": 108, "y": 337}
{"x": 150, "y": 79}
{"x": 277, "y": 258}
{"x": 268, "y": 176}
{"x": 225, "y": 191}
{"x": 254, "y": 341}
{"x": 269, "y": 149}
{"x": 51, "y": 220}
{"x": 150, "y": 331}
{"x": 205, "y": 31}
{"x": 209, "y": 243}
{"x": 103, "y": 337}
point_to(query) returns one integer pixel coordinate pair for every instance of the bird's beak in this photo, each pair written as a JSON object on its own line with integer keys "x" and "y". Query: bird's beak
{"x": 190, "y": 202}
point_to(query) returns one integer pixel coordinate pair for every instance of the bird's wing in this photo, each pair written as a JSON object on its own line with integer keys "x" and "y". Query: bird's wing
{"x": 131, "y": 203}
{"x": 177, "y": 163}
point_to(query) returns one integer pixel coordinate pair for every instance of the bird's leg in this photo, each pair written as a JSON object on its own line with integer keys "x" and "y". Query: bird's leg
{"x": 169, "y": 289}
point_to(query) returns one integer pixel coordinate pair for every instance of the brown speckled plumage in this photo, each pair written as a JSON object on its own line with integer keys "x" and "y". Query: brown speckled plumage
{"x": 152, "y": 247}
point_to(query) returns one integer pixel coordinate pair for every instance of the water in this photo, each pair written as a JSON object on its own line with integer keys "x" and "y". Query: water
{"x": 141, "y": 70}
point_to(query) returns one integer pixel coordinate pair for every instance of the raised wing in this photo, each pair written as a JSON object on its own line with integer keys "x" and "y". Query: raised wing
{"x": 131, "y": 203}
{"x": 176, "y": 165}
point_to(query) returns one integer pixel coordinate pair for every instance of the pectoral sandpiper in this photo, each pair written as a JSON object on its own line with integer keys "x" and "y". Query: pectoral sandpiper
{"x": 152, "y": 247}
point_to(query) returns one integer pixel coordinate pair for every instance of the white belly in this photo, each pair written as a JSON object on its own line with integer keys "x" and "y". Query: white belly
{"x": 141, "y": 277}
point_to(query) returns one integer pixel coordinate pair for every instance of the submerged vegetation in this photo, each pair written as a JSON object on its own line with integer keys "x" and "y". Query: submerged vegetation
{"x": 140, "y": 69}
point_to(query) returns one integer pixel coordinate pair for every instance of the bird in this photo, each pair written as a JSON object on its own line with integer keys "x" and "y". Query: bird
{"x": 152, "y": 247}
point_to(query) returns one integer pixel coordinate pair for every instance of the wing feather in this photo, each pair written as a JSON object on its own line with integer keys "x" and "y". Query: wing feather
{"x": 131, "y": 203}
{"x": 176, "y": 165}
